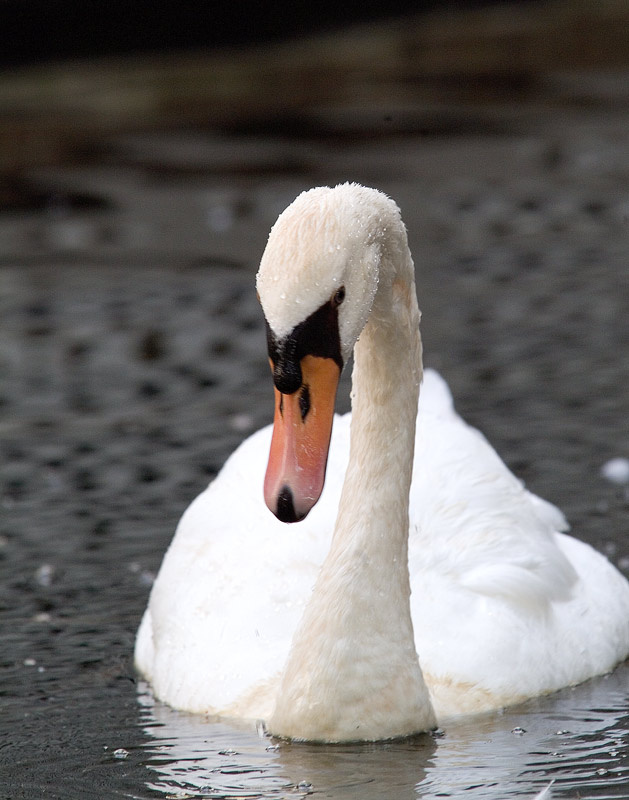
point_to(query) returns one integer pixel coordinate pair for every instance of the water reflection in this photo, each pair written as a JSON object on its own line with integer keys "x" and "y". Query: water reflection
{"x": 576, "y": 737}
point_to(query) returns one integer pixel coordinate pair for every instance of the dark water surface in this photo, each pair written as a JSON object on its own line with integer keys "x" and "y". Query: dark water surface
{"x": 132, "y": 362}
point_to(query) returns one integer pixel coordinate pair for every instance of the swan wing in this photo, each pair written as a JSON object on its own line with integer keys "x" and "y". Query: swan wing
{"x": 232, "y": 588}
{"x": 505, "y": 605}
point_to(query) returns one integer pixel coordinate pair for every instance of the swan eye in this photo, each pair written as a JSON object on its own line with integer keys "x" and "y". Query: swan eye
{"x": 339, "y": 296}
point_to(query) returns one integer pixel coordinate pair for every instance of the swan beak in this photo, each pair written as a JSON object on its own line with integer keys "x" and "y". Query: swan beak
{"x": 302, "y": 428}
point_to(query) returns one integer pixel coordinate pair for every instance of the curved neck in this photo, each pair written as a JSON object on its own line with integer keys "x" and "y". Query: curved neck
{"x": 385, "y": 392}
{"x": 353, "y": 671}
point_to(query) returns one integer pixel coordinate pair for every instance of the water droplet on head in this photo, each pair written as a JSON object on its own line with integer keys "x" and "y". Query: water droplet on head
{"x": 121, "y": 753}
{"x": 518, "y": 731}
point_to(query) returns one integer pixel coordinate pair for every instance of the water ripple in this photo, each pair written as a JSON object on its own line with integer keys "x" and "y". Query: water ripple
{"x": 576, "y": 737}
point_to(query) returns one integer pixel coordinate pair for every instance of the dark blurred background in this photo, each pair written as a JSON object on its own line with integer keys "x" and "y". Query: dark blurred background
{"x": 34, "y": 30}
{"x": 71, "y": 74}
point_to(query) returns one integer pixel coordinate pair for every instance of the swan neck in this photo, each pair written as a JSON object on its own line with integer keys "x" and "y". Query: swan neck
{"x": 353, "y": 671}
{"x": 385, "y": 391}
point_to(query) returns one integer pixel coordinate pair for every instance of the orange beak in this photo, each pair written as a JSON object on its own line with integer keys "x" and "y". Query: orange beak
{"x": 302, "y": 428}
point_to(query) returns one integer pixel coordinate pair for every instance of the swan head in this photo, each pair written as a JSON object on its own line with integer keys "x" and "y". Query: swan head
{"x": 317, "y": 282}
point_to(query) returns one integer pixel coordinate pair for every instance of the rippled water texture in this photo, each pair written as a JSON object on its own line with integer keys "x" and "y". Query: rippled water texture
{"x": 577, "y": 739}
{"x": 132, "y": 362}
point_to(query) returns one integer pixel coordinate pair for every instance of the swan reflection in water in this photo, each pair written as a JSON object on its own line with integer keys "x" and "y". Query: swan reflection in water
{"x": 578, "y": 738}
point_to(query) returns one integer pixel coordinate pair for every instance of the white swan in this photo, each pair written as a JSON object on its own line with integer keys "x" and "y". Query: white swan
{"x": 503, "y": 606}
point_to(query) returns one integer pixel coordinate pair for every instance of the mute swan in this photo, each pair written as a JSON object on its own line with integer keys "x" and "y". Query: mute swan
{"x": 504, "y": 606}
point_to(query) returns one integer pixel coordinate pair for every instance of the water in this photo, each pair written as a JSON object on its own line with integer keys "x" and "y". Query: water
{"x": 576, "y": 738}
{"x": 132, "y": 365}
